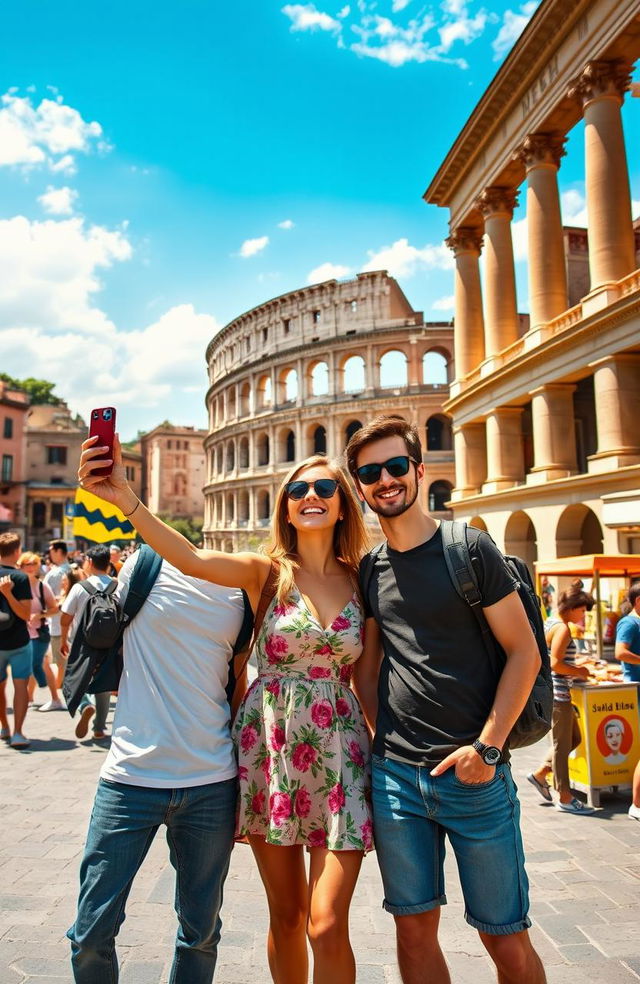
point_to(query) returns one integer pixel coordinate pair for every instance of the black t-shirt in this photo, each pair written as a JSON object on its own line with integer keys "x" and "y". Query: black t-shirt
{"x": 437, "y": 683}
{"x": 18, "y": 634}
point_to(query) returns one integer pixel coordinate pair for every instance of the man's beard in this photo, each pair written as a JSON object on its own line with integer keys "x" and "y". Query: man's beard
{"x": 393, "y": 508}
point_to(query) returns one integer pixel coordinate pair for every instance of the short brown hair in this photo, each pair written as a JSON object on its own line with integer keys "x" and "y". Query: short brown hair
{"x": 386, "y": 425}
{"x": 574, "y": 599}
{"x": 9, "y": 543}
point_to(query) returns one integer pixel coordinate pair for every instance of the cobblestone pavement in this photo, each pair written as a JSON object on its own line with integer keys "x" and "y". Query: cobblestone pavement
{"x": 584, "y": 873}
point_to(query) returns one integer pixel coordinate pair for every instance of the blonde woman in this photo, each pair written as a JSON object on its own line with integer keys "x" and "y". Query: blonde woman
{"x": 302, "y": 743}
{"x": 43, "y": 606}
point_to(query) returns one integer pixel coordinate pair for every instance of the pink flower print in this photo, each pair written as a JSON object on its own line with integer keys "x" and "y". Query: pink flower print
{"x": 279, "y": 808}
{"x": 302, "y": 804}
{"x": 336, "y": 798}
{"x": 356, "y": 754}
{"x": 342, "y": 707}
{"x": 275, "y": 648}
{"x": 257, "y": 803}
{"x": 277, "y": 738}
{"x": 345, "y": 673}
{"x": 243, "y": 773}
{"x": 304, "y": 755}
{"x": 248, "y": 737}
{"x": 273, "y": 687}
{"x": 279, "y": 610}
{"x": 266, "y": 769}
{"x": 340, "y": 623}
{"x": 319, "y": 672}
{"x": 317, "y": 838}
{"x": 322, "y": 713}
{"x": 325, "y": 650}
{"x": 366, "y": 829}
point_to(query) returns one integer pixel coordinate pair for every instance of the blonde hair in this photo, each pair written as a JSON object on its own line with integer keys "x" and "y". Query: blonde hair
{"x": 28, "y": 557}
{"x": 350, "y": 538}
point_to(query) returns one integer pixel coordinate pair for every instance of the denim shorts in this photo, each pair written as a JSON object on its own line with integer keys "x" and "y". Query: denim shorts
{"x": 412, "y": 812}
{"x": 19, "y": 660}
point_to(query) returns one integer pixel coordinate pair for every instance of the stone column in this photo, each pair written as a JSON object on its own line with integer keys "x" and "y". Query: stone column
{"x": 548, "y": 297}
{"x": 600, "y": 90}
{"x": 616, "y": 383}
{"x": 554, "y": 436}
{"x": 470, "y": 444}
{"x": 414, "y": 375}
{"x": 505, "y": 453}
{"x": 302, "y": 384}
{"x": 501, "y": 321}
{"x": 468, "y": 334}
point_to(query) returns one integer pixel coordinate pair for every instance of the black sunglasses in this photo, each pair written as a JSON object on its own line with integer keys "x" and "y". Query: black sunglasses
{"x": 323, "y": 487}
{"x": 396, "y": 467}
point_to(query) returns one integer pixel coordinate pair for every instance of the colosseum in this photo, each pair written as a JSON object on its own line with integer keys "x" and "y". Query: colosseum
{"x": 300, "y": 374}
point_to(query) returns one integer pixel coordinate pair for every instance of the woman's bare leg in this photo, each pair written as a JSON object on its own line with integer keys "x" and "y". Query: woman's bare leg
{"x": 332, "y": 879}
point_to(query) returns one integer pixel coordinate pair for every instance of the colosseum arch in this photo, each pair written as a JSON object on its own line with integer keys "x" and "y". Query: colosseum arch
{"x": 319, "y": 440}
{"x": 263, "y": 503}
{"x": 231, "y": 403}
{"x": 245, "y": 399}
{"x": 393, "y": 369}
{"x": 231, "y": 456}
{"x": 578, "y": 532}
{"x": 478, "y": 523}
{"x": 286, "y": 445}
{"x": 243, "y": 452}
{"x": 353, "y": 374}
{"x": 435, "y": 367}
{"x": 317, "y": 378}
{"x": 287, "y": 385}
{"x": 230, "y": 506}
{"x": 219, "y": 459}
{"x": 352, "y": 427}
{"x": 243, "y": 506}
{"x": 263, "y": 393}
{"x": 439, "y": 433}
{"x": 439, "y": 495}
{"x": 263, "y": 455}
{"x": 520, "y": 538}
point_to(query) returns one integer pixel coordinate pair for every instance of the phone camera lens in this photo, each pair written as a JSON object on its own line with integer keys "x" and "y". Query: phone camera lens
{"x": 95, "y": 414}
{"x": 106, "y": 414}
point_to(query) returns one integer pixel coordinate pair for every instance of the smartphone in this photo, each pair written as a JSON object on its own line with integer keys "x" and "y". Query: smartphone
{"x": 103, "y": 423}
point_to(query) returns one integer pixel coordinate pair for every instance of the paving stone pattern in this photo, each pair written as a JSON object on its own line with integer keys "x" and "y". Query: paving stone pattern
{"x": 584, "y": 873}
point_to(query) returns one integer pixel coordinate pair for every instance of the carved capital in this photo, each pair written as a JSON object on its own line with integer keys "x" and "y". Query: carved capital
{"x": 601, "y": 78}
{"x": 465, "y": 239}
{"x": 495, "y": 200}
{"x": 541, "y": 148}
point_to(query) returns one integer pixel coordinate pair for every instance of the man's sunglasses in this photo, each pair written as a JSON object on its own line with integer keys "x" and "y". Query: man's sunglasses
{"x": 324, "y": 488}
{"x": 396, "y": 467}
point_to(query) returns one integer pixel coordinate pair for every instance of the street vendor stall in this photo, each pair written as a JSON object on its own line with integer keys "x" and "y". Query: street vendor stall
{"x": 605, "y": 704}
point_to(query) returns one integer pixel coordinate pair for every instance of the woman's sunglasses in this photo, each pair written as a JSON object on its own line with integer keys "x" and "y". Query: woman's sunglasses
{"x": 396, "y": 467}
{"x": 323, "y": 487}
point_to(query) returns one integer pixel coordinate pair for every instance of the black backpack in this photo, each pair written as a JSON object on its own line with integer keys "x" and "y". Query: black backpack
{"x": 535, "y": 718}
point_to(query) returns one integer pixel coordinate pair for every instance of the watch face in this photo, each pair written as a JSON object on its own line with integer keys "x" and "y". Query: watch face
{"x": 491, "y": 755}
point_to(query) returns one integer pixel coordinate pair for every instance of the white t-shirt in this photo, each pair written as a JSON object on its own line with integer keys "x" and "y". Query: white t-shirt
{"x": 53, "y": 580}
{"x": 77, "y": 598}
{"x": 171, "y": 725}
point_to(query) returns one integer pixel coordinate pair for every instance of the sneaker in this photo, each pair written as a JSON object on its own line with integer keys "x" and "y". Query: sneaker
{"x": 5, "y": 734}
{"x": 100, "y": 735}
{"x": 542, "y": 787}
{"x": 83, "y": 724}
{"x": 19, "y": 741}
{"x": 575, "y": 806}
{"x": 634, "y": 812}
{"x": 53, "y": 705}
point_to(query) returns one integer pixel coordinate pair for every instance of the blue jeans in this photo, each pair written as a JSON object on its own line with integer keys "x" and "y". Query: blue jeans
{"x": 200, "y": 823}
{"x": 101, "y": 702}
{"x": 412, "y": 812}
{"x": 38, "y": 652}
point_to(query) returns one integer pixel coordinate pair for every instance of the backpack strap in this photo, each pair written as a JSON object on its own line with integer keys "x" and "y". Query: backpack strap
{"x": 266, "y": 597}
{"x": 458, "y": 560}
{"x": 91, "y": 589}
{"x": 143, "y": 578}
{"x": 246, "y": 629}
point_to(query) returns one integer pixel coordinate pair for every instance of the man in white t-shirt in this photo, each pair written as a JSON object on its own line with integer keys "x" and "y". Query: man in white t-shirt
{"x": 53, "y": 579}
{"x": 73, "y": 606}
{"x": 171, "y": 762}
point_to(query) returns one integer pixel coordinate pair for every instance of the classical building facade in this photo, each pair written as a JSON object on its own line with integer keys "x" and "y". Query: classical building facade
{"x": 14, "y": 407}
{"x": 545, "y": 422}
{"x": 299, "y": 375}
{"x": 173, "y": 470}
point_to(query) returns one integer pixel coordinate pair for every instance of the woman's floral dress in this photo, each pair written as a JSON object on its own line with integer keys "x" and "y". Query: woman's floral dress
{"x": 303, "y": 747}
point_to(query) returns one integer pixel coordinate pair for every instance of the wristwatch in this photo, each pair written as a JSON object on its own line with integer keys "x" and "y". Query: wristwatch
{"x": 489, "y": 754}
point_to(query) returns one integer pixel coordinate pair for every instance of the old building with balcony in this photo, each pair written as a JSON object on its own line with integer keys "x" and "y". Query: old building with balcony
{"x": 14, "y": 407}
{"x": 173, "y": 470}
{"x": 299, "y": 375}
{"x": 545, "y": 421}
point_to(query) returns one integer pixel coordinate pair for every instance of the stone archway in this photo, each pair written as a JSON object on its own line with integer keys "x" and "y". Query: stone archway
{"x": 578, "y": 532}
{"x": 520, "y": 538}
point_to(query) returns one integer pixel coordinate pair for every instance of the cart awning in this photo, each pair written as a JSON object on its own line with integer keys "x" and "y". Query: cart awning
{"x": 606, "y": 565}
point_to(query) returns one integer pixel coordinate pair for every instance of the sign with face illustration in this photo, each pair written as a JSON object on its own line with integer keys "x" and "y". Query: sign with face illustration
{"x": 610, "y": 745}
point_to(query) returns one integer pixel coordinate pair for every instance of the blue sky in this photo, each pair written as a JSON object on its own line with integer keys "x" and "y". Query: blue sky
{"x": 164, "y": 167}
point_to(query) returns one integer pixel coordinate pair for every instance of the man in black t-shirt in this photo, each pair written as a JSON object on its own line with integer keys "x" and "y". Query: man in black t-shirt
{"x": 440, "y": 715}
{"x": 15, "y": 644}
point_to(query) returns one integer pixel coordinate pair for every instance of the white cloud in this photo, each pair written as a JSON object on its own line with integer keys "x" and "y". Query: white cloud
{"x": 444, "y": 303}
{"x": 463, "y": 28}
{"x": 58, "y": 201}
{"x": 286, "y": 224}
{"x": 306, "y": 17}
{"x": 398, "y": 5}
{"x": 403, "y": 260}
{"x": 48, "y": 134}
{"x": 328, "y": 271}
{"x": 251, "y": 247}
{"x": 346, "y": 10}
{"x": 513, "y": 24}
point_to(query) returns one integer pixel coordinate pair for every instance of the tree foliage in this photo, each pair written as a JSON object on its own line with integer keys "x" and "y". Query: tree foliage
{"x": 40, "y": 390}
{"x": 190, "y": 528}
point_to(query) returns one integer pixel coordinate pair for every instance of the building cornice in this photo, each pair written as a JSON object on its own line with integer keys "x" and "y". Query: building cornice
{"x": 583, "y": 486}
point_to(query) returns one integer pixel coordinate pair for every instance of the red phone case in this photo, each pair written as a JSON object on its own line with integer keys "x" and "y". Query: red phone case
{"x": 103, "y": 423}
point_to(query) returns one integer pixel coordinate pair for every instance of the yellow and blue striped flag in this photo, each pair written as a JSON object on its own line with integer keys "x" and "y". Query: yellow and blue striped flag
{"x": 98, "y": 520}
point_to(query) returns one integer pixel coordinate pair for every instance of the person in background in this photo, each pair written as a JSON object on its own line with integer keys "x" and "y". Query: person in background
{"x": 59, "y": 565}
{"x": 43, "y": 605}
{"x": 15, "y": 644}
{"x": 115, "y": 556}
{"x": 628, "y": 652}
{"x": 565, "y": 730}
{"x": 96, "y": 566}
